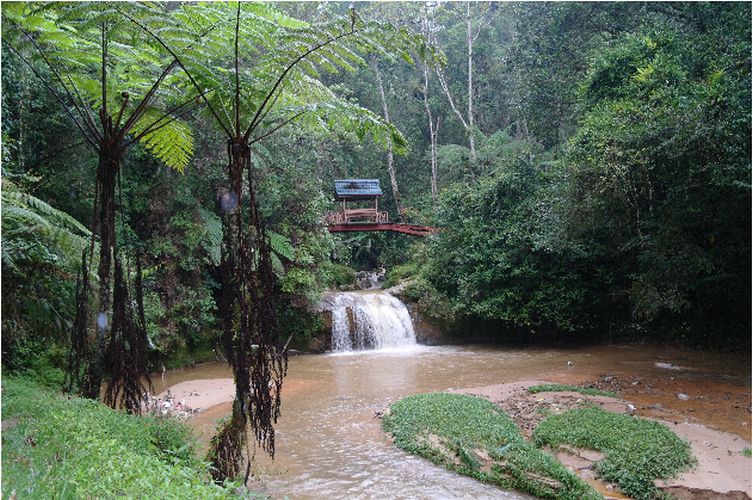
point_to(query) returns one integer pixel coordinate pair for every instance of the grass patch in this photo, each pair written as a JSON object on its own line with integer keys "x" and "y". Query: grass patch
{"x": 637, "y": 451}
{"x": 589, "y": 391}
{"x": 745, "y": 452}
{"x": 57, "y": 447}
{"x": 474, "y": 437}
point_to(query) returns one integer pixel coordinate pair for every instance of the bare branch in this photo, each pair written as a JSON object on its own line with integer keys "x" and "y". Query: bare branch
{"x": 139, "y": 111}
{"x": 443, "y": 83}
{"x": 271, "y": 106}
{"x": 141, "y": 108}
{"x": 125, "y": 96}
{"x": 237, "y": 76}
{"x": 485, "y": 23}
{"x": 104, "y": 79}
{"x": 156, "y": 123}
{"x": 94, "y": 131}
{"x": 183, "y": 67}
{"x": 88, "y": 117}
{"x": 142, "y": 134}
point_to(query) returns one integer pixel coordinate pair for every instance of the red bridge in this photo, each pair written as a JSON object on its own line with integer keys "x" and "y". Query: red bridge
{"x": 388, "y": 226}
{"x": 365, "y": 218}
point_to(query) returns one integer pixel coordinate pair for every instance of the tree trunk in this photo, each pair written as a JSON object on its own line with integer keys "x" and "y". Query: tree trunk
{"x": 248, "y": 320}
{"x": 432, "y": 136}
{"x": 390, "y": 155}
{"x": 470, "y": 130}
{"x": 107, "y": 174}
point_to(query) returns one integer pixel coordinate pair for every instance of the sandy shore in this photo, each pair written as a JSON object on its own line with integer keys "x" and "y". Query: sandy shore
{"x": 202, "y": 394}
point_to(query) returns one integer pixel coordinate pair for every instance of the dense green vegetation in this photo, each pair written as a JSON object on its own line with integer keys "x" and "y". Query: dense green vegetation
{"x": 589, "y": 391}
{"x": 474, "y": 437}
{"x": 608, "y": 191}
{"x": 58, "y": 447}
{"x": 588, "y": 165}
{"x": 637, "y": 451}
{"x": 624, "y": 209}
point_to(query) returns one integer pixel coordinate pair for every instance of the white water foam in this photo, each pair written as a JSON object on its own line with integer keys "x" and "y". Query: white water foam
{"x": 371, "y": 321}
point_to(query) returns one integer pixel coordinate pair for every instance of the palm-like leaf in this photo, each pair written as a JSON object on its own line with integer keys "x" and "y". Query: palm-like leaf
{"x": 67, "y": 37}
{"x": 34, "y": 233}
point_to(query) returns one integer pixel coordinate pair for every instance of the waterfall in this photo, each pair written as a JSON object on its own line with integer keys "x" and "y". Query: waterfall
{"x": 375, "y": 320}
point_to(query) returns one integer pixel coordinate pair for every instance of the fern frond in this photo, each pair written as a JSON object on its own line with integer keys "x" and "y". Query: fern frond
{"x": 171, "y": 141}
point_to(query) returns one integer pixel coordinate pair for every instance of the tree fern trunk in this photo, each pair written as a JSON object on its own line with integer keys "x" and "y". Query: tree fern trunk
{"x": 249, "y": 327}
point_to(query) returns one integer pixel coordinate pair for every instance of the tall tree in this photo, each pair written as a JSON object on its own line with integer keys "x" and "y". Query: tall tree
{"x": 474, "y": 28}
{"x": 390, "y": 154}
{"x": 430, "y": 28}
{"x": 251, "y": 104}
{"x": 64, "y": 38}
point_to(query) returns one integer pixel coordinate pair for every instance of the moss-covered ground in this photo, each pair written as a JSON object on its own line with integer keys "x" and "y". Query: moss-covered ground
{"x": 636, "y": 451}
{"x": 56, "y": 447}
{"x": 474, "y": 437}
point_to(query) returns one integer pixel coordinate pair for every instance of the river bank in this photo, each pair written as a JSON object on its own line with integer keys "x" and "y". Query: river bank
{"x": 723, "y": 470}
{"x": 329, "y": 403}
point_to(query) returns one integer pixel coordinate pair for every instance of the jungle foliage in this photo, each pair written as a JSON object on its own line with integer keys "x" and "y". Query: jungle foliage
{"x": 57, "y": 447}
{"x": 608, "y": 192}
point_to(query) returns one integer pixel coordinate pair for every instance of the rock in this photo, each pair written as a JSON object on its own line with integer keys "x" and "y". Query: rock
{"x": 668, "y": 366}
{"x": 682, "y": 396}
{"x": 364, "y": 283}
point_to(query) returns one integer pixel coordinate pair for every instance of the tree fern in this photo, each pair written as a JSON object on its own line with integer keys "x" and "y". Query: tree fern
{"x": 34, "y": 233}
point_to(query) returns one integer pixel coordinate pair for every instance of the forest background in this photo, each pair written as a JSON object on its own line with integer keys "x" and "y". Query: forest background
{"x": 588, "y": 164}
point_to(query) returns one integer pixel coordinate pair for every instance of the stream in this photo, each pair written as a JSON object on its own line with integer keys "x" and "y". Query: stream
{"x": 330, "y": 445}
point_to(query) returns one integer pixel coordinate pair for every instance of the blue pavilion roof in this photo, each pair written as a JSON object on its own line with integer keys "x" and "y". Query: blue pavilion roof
{"x": 357, "y": 188}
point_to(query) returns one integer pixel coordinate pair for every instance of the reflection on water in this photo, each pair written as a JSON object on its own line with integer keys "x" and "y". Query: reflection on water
{"x": 330, "y": 445}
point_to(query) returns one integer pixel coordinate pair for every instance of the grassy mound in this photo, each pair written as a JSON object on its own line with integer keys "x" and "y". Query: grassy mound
{"x": 637, "y": 451}
{"x": 588, "y": 391}
{"x": 474, "y": 437}
{"x": 54, "y": 447}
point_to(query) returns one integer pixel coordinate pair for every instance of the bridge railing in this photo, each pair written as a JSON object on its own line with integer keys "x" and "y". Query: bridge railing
{"x": 356, "y": 216}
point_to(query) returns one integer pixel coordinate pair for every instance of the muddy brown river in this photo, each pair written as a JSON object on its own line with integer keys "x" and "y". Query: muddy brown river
{"x": 330, "y": 445}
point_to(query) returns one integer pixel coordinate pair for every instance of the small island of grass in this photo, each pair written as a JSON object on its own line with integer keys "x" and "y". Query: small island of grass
{"x": 474, "y": 437}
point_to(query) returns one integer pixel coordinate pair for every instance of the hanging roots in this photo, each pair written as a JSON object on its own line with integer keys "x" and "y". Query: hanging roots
{"x": 250, "y": 336}
{"x": 226, "y": 448}
{"x": 125, "y": 354}
{"x": 79, "y": 355}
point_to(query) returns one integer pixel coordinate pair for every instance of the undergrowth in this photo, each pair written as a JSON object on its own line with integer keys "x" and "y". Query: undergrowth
{"x": 58, "y": 447}
{"x": 589, "y": 391}
{"x": 474, "y": 437}
{"x": 399, "y": 273}
{"x": 637, "y": 451}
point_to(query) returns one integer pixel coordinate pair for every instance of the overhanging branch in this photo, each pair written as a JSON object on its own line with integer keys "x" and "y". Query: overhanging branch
{"x": 275, "y": 129}
{"x": 156, "y": 125}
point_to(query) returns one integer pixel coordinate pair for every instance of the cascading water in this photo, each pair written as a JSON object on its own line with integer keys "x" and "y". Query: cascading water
{"x": 374, "y": 320}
